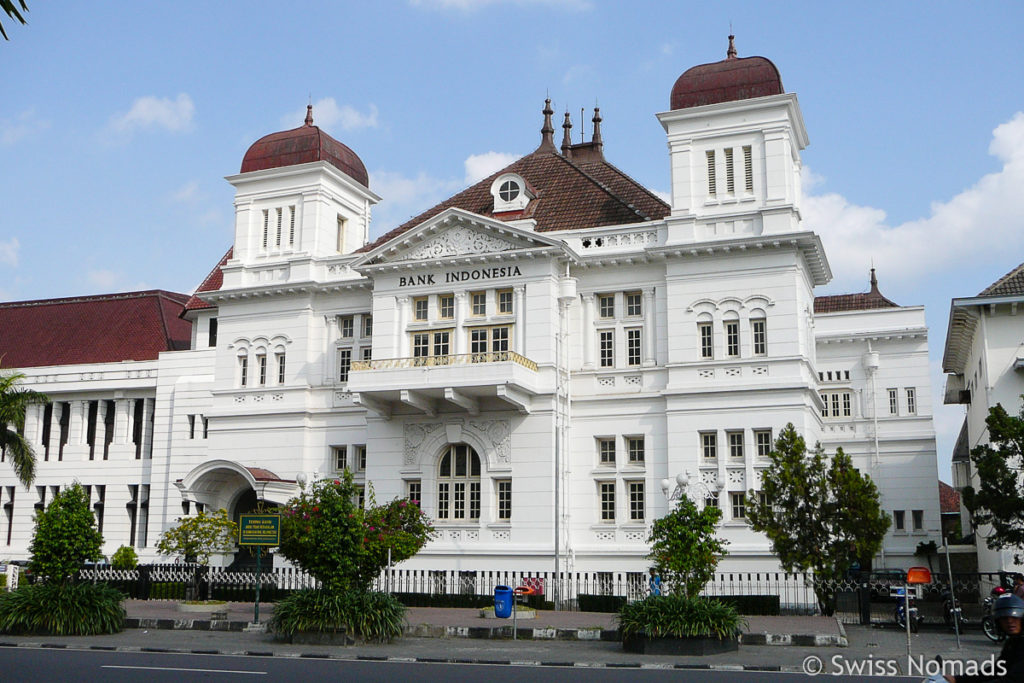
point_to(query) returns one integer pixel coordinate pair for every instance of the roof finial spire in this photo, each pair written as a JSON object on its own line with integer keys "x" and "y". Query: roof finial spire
{"x": 598, "y": 142}
{"x": 731, "y": 53}
{"x": 309, "y": 115}
{"x": 874, "y": 280}
{"x": 566, "y": 136}
{"x": 547, "y": 131}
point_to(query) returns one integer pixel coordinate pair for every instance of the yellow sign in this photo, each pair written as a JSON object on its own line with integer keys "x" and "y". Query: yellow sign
{"x": 259, "y": 530}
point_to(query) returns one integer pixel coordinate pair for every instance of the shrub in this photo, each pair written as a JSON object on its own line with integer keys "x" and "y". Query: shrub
{"x": 751, "y": 604}
{"x": 600, "y": 603}
{"x": 679, "y": 616}
{"x": 198, "y": 537}
{"x": 62, "y": 609}
{"x": 124, "y": 558}
{"x": 65, "y": 536}
{"x": 684, "y": 546}
{"x": 372, "y": 616}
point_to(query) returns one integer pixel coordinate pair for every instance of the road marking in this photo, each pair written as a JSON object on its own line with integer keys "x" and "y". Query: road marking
{"x": 171, "y": 668}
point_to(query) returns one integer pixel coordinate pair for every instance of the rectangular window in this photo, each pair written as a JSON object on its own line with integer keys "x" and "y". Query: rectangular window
{"x": 211, "y": 335}
{"x": 443, "y": 499}
{"x": 607, "y": 494}
{"x": 278, "y": 242}
{"x": 346, "y": 324}
{"x": 478, "y": 303}
{"x": 606, "y": 305}
{"x": 441, "y": 343}
{"x": 280, "y": 367}
{"x": 262, "y": 362}
{"x": 367, "y": 353}
{"x": 505, "y": 301}
{"x": 730, "y": 176}
{"x": 763, "y": 439}
{"x": 894, "y": 402}
{"x": 898, "y": 520}
{"x": 707, "y": 349}
{"x": 635, "y": 447}
{"x": 266, "y": 226}
{"x": 917, "y": 519}
{"x": 711, "y": 501}
{"x": 191, "y": 426}
{"x": 606, "y": 451}
{"x": 360, "y": 458}
{"x": 344, "y": 364}
{"x": 420, "y": 345}
{"x": 735, "y": 445}
{"x": 712, "y": 185}
{"x": 634, "y": 304}
{"x": 413, "y": 491}
{"x": 739, "y": 505}
{"x": 824, "y": 404}
{"x": 760, "y": 339}
{"x": 420, "y": 309}
{"x": 911, "y": 401}
{"x": 340, "y": 458}
{"x": 732, "y": 338}
{"x": 847, "y": 407}
{"x": 499, "y": 339}
{"x": 474, "y": 500}
{"x": 291, "y": 226}
{"x": 835, "y": 405}
{"x": 367, "y": 326}
{"x": 459, "y": 490}
{"x": 342, "y": 224}
{"x": 446, "y": 306}
{"x": 361, "y": 497}
{"x": 504, "y": 489}
{"x": 637, "y": 503}
{"x": 709, "y": 445}
{"x": 478, "y": 344}
{"x": 633, "y": 346}
{"x": 748, "y": 169}
{"x": 607, "y": 348}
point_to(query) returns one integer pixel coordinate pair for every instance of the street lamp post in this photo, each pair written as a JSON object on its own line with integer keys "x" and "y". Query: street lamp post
{"x": 696, "y": 490}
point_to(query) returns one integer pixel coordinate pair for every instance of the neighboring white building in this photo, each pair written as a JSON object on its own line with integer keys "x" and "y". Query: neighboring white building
{"x": 538, "y": 359}
{"x": 984, "y": 362}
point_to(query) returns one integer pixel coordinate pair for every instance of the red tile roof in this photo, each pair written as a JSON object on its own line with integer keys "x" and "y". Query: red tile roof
{"x": 213, "y": 282}
{"x": 729, "y": 80}
{"x": 1008, "y": 285}
{"x": 949, "y": 498}
{"x": 107, "y": 328}
{"x": 853, "y": 302}
{"x": 569, "y": 196}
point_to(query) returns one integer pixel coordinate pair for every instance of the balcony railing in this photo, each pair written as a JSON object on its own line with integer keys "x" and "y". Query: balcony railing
{"x": 442, "y": 361}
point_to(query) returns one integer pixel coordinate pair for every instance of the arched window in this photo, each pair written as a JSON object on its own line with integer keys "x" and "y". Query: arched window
{"x": 458, "y": 483}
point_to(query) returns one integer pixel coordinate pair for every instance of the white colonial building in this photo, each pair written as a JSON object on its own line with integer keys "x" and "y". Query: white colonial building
{"x": 542, "y": 359}
{"x": 984, "y": 359}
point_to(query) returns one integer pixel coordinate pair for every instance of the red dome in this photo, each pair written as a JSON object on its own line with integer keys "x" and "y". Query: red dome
{"x": 726, "y": 81}
{"x": 300, "y": 146}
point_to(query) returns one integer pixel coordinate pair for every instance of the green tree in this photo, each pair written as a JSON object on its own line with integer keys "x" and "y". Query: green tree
{"x": 14, "y": 400}
{"x": 326, "y": 533}
{"x": 684, "y": 547}
{"x": 999, "y": 499}
{"x": 65, "y": 536}
{"x": 124, "y": 558}
{"x": 820, "y": 514}
{"x": 198, "y": 537}
{"x": 11, "y": 10}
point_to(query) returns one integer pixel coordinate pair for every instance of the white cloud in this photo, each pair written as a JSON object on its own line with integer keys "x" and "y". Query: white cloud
{"x": 479, "y": 166}
{"x": 982, "y": 220}
{"x": 327, "y": 114}
{"x": 20, "y": 127}
{"x": 149, "y": 113}
{"x": 405, "y": 197}
{"x": 9, "y": 252}
{"x": 187, "y": 193}
{"x": 102, "y": 279}
{"x": 472, "y": 5}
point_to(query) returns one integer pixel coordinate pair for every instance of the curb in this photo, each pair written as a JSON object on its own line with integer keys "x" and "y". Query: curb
{"x": 423, "y": 660}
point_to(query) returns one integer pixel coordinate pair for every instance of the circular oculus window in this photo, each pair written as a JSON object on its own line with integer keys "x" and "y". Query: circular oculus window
{"x": 508, "y": 191}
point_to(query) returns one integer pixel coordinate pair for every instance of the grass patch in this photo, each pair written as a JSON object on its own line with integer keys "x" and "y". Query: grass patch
{"x": 677, "y": 616}
{"x": 76, "y": 609}
{"x": 371, "y": 616}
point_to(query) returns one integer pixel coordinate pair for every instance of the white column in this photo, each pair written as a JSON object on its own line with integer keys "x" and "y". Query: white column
{"x": 101, "y": 428}
{"x": 649, "y": 328}
{"x": 402, "y": 348}
{"x": 520, "y": 311}
{"x": 588, "y": 331}
{"x": 459, "y": 343}
{"x": 330, "y": 371}
{"x": 122, "y": 423}
{"x": 148, "y": 406}
{"x": 76, "y": 425}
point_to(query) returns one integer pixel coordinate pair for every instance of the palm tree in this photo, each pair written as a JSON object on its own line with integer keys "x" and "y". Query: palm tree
{"x": 11, "y": 9}
{"x": 13, "y": 402}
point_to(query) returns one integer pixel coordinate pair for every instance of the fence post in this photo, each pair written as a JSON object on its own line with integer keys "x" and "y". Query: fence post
{"x": 142, "y": 586}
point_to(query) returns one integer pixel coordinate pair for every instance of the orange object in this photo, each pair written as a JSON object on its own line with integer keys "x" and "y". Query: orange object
{"x": 919, "y": 575}
{"x": 525, "y": 590}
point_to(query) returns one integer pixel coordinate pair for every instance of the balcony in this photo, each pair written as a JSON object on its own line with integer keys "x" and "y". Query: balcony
{"x": 427, "y": 383}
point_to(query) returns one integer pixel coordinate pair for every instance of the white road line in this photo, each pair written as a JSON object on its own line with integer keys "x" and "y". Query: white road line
{"x": 171, "y": 668}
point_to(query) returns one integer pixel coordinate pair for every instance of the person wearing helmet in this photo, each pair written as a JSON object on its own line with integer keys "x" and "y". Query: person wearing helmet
{"x": 1009, "y": 613}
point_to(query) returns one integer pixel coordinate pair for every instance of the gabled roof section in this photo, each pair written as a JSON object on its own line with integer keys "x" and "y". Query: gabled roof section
{"x": 1008, "y": 285}
{"x": 854, "y": 302}
{"x": 213, "y": 282}
{"x": 456, "y": 233}
{"x": 108, "y": 328}
{"x": 949, "y": 499}
{"x": 570, "y": 196}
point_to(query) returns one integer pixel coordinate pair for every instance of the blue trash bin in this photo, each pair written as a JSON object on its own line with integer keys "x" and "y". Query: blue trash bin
{"x": 502, "y": 602}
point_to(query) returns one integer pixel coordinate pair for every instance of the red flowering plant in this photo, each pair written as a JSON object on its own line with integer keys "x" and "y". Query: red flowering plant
{"x": 327, "y": 534}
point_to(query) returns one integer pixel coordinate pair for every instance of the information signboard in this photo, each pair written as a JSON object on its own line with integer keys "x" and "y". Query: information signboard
{"x": 259, "y": 530}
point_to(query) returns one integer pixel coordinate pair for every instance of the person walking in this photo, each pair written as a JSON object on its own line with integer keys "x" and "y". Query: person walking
{"x": 654, "y": 583}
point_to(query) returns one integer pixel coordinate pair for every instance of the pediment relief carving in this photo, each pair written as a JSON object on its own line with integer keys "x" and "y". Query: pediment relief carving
{"x": 459, "y": 241}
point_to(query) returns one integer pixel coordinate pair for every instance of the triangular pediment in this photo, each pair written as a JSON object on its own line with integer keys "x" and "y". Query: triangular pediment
{"x": 457, "y": 234}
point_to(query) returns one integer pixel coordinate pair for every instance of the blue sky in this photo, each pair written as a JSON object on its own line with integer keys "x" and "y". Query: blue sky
{"x": 119, "y": 120}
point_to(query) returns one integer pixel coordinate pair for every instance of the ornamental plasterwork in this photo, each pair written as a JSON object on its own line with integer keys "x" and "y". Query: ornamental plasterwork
{"x": 457, "y": 242}
{"x": 496, "y": 434}
{"x": 415, "y": 435}
{"x": 492, "y": 435}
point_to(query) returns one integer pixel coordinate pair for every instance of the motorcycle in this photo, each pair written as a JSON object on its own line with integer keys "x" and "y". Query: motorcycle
{"x": 951, "y": 611}
{"x": 902, "y": 601}
{"x": 988, "y": 622}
